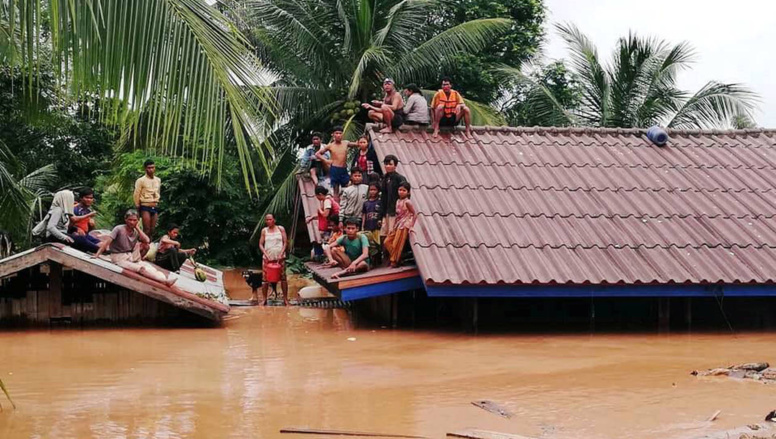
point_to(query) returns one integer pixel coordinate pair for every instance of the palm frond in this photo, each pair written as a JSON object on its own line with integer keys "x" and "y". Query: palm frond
{"x": 423, "y": 62}
{"x": 181, "y": 63}
{"x": 281, "y": 202}
{"x": 541, "y": 101}
{"x": 715, "y": 105}
{"x": 595, "y": 82}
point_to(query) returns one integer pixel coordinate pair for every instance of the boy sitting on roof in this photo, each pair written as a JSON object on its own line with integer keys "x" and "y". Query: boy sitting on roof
{"x": 338, "y": 171}
{"x": 309, "y": 163}
{"x": 353, "y": 197}
{"x": 353, "y": 256}
{"x": 448, "y": 109}
{"x": 82, "y": 222}
{"x": 390, "y": 111}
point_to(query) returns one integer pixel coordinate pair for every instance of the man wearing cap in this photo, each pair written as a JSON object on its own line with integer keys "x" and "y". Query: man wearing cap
{"x": 416, "y": 108}
{"x": 390, "y": 111}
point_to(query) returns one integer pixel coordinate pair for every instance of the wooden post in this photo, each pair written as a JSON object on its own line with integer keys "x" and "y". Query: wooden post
{"x": 394, "y": 310}
{"x": 475, "y": 313}
{"x": 664, "y": 314}
{"x": 688, "y": 313}
{"x": 55, "y": 287}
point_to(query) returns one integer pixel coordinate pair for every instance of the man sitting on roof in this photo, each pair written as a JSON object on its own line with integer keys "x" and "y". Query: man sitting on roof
{"x": 448, "y": 108}
{"x": 390, "y": 111}
{"x": 125, "y": 251}
{"x": 353, "y": 255}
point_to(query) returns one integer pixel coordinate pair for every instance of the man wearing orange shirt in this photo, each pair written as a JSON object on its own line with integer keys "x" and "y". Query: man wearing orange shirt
{"x": 448, "y": 109}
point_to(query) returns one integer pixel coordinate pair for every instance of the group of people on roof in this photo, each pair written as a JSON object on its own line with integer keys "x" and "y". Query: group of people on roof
{"x": 447, "y": 108}
{"x": 363, "y": 213}
{"x": 129, "y": 245}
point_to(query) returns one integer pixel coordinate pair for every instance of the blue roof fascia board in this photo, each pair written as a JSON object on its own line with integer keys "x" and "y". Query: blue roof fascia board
{"x": 549, "y": 291}
{"x": 379, "y": 289}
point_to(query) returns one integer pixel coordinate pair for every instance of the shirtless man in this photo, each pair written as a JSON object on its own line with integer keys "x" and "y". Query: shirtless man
{"x": 338, "y": 166}
{"x": 390, "y": 111}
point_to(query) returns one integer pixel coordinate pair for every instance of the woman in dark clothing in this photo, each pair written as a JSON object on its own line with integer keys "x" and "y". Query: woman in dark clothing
{"x": 170, "y": 255}
{"x": 366, "y": 157}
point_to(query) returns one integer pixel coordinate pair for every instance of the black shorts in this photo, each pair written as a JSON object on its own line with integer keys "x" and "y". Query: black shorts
{"x": 448, "y": 121}
{"x": 398, "y": 119}
{"x": 413, "y": 123}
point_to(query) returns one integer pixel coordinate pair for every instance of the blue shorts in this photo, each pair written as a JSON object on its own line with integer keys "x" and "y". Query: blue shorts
{"x": 339, "y": 176}
{"x": 149, "y": 209}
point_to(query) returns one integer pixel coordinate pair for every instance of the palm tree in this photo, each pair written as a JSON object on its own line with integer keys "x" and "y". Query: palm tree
{"x": 330, "y": 51}
{"x": 175, "y": 74}
{"x": 20, "y": 195}
{"x": 637, "y": 88}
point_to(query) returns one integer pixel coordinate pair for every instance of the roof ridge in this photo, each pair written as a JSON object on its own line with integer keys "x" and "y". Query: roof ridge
{"x": 587, "y": 215}
{"x": 439, "y": 162}
{"x": 596, "y": 189}
{"x": 598, "y": 246}
{"x": 601, "y": 130}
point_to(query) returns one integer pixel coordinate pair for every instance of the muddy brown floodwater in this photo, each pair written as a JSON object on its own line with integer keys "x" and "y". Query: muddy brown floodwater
{"x": 273, "y": 368}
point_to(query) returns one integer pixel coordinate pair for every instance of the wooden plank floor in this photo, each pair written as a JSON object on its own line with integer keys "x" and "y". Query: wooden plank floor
{"x": 376, "y": 275}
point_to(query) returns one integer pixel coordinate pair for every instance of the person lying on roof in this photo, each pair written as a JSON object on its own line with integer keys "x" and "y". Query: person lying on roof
{"x": 448, "y": 109}
{"x": 124, "y": 247}
{"x": 353, "y": 255}
{"x": 390, "y": 111}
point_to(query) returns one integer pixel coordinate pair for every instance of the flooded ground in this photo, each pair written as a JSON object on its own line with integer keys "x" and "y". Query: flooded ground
{"x": 281, "y": 367}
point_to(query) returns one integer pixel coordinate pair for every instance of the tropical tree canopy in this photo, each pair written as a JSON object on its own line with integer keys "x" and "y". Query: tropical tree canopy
{"x": 637, "y": 88}
{"x": 20, "y": 192}
{"x": 329, "y": 51}
{"x": 175, "y": 74}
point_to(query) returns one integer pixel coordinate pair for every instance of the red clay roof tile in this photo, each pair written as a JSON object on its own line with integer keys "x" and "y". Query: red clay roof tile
{"x": 590, "y": 206}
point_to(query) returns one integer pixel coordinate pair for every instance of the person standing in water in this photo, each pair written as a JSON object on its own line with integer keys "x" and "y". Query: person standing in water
{"x": 273, "y": 243}
{"x": 147, "y": 194}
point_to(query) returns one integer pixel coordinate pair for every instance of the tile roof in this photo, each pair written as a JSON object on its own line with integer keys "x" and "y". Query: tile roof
{"x": 590, "y": 206}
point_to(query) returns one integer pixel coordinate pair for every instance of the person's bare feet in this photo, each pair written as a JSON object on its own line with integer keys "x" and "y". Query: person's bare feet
{"x": 263, "y": 303}
{"x": 386, "y": 130}
{"x": 468, "y": 133}
{"x": 330, "y": 264}
{"x": 436, "y": 134}
{"x": 171, "y": 281}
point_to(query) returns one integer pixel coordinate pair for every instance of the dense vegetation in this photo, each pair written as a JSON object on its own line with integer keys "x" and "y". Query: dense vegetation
{"x": 223, "y": 96}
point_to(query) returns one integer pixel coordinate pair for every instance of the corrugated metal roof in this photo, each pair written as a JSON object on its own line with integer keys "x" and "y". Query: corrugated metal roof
{"x": 310, "y": 205}
{"x": 590, "y": 206}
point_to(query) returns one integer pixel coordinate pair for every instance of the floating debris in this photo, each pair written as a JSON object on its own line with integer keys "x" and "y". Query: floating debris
{"x": 495, "y": 408}
{"x": 751, "y": 371}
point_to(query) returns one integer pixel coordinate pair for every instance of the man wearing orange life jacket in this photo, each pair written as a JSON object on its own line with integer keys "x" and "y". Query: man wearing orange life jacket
{"x": 448, "y": 108}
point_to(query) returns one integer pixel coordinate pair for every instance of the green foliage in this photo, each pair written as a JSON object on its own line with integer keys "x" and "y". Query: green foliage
{"x": 524, "y": 106}
{"x": 218, "y": 222}
{"x": 473, "y": 74}
{"x": 174, "y": 75}
{"x": 637, "y": 88}
{"x": 43, "y": 132}
{"x": 329, "y": 49}
{"x": 20, "y": 194}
